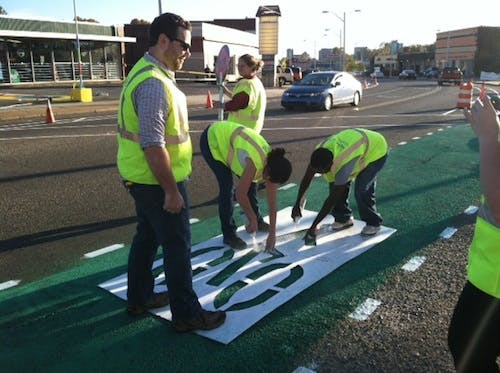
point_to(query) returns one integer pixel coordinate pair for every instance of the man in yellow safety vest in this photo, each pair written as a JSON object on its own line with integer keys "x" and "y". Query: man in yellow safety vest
{"x": 154, "y": 161}
{"x": 350, "y": 154}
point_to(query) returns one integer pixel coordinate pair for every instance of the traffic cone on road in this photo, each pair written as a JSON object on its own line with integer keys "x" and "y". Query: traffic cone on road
{"x": 49, "y": 114}
{"x": 209, "y": 104}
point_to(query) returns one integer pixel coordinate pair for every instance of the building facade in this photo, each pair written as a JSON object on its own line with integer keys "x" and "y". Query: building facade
{"x": 36, "y": 51}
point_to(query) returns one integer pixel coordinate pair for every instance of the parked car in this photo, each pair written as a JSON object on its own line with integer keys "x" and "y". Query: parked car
{"x": 495, "y": 100}
{"x": 431, "y": 72}
{"x": 408, "y": 74}
{"x": 452, "y": 75}
{"x": 323, "y": 89}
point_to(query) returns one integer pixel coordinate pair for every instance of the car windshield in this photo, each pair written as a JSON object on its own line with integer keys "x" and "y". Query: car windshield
{"x": 317, "y": 79}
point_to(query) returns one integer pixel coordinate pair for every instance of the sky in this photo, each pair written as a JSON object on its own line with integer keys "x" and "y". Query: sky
{"x": 304, "y": 26}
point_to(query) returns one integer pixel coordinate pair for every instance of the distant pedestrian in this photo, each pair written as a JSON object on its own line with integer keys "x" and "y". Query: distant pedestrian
{"x": 350, "y": 154}
{"x": 231, "y": 148}
{"x": 154, "y": 160}
{"x": 474, "y": 332}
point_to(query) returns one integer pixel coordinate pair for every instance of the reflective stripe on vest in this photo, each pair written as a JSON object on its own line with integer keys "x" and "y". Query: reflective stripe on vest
{"x": 240, "y": 132}
{"x": 340, "y": 160}
{"x": 483, "y": 267}
{"x": 131, "y": 159}
{"x": 253, "y": 115}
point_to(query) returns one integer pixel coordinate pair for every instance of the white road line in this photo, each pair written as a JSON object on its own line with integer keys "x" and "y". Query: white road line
{"x": 104, "y": 250}
{"x": 364, "y": 310}
{"x": 287, "y": 186}
{"x": 450, "y": 112}
{"x": 8, "y": 284}
{"x": 193, "y": 220}
{"x": 413, "y": 264}
{"x": 402, "y": 143}
{"x": 448, "y": 233}
{"x": 471, "y": 210}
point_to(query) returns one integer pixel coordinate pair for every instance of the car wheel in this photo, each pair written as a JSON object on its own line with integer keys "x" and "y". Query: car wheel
{"x": 327, "y": 104}
{"x": 355, "y": 99}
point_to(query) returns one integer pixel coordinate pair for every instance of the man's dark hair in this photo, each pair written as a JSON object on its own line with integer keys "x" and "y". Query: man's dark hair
{"x": 166, "y": 23}
{"x": 321, "y": 160}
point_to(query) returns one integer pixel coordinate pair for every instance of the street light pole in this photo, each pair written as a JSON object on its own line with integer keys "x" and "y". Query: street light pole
{"x": 78, "y": 51}
{"x": 343, "y": 21}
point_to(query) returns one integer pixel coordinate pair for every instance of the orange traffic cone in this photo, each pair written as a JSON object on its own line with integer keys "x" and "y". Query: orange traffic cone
{"x": 465, "y": 95}
{"x": 209, "y": 104}
{"x": 49, "y": 116}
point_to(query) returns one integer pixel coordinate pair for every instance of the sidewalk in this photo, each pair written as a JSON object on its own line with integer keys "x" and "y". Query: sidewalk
{"x": 100, "y": 105}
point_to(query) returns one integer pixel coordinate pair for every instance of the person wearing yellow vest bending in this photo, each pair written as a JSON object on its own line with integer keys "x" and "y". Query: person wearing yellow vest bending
{"x": 474, "y": 331}
{"x": 350, "y": 154}
{"x": 231, "y": 148}
{"x": 154, "y": 160}
{"x": 248, "y": 98}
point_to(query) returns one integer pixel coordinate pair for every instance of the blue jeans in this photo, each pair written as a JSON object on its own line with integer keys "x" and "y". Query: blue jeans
{"x": 364, "y": 192}
{"x": 157, "y": 227}
{"x": 224, "y": 177}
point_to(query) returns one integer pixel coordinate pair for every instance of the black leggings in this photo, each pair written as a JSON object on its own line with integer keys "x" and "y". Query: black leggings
{"x": 474, "y": 333}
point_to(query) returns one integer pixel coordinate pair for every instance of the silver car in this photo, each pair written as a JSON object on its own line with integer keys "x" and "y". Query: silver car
{"x": 323, "y": 90}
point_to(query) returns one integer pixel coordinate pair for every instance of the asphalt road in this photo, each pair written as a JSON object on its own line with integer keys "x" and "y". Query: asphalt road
{"x": 62, "y": 196}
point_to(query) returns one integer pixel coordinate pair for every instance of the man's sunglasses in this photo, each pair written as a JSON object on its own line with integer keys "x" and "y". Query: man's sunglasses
{"x": 185, "y": 46}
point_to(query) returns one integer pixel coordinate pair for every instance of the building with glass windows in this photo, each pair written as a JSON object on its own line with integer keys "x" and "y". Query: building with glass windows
{"x": 35, "y": 51}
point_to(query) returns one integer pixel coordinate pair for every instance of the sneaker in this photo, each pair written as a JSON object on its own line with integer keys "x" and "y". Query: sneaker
{"x": 262, "y": 226}
{"x": 235, "y": 243}
{"x": 159, "y": 300}
{"x": 370, "y": 230}
{"x": 343, "y": 225}
{"x": 206, "y": 320}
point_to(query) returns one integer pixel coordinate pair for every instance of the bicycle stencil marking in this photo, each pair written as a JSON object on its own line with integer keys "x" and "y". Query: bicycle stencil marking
{"x": 249, "y": 284}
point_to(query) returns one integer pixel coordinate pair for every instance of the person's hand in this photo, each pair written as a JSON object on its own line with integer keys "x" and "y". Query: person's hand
{"x": 251, "y": 226}
{"x": 173, "y": 202}
{"x": 483, "y": 119}
{"x": 270, "y": 242}
{"x": 296, "y": 212}
{"x": 310, "y": 237}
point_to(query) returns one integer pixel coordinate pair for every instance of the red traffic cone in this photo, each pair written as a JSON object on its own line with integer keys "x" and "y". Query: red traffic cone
{"x": 49, "y": 116}
{"x": 209, "y": 104}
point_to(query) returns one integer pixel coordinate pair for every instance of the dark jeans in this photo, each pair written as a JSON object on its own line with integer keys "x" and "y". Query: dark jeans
{"x": 474, "y": 333}
{"x": 224, "y": 177}
{"x": 364, "y": 192}
{"x": 157, "y": 227}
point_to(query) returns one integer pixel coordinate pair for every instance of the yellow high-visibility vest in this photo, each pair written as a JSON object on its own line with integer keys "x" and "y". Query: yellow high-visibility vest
{"x": 352, "y": 143}
{"x": 253, "y": 115}
{"x": 131, "y": 160}
{"x": 483, "y": 267}
{"x": 227, "y": 139}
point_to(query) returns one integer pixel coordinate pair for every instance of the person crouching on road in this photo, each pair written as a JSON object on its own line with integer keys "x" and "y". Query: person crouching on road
{"x": 233, "y": 148}
{"x": 154, "y": 161}
{"x": 350, "y": 154}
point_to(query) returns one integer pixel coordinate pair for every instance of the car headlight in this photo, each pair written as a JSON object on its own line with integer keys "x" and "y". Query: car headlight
{"x": 314, "y": 94}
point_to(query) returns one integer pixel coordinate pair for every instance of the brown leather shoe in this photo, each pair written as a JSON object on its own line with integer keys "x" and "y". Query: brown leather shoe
{"x": 159, "y": 300}
{"x": 235, "y": 243}
{"x": 206, "y": 320}
{"x": 262, "y": 226}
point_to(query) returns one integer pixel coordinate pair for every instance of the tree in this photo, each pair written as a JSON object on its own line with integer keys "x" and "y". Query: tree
{"x": 2, "y": 11}
{"x": 136, "y": 21}
{"x": 92, "y": 20}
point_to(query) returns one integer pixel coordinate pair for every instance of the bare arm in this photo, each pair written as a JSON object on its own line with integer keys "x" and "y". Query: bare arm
{"x": 242, "y": 195}
{"x": 159, "y": 162}
{"x": 304, "y": 185}
{"x": 271, "y": 189}
{"x": 485, "y": 123}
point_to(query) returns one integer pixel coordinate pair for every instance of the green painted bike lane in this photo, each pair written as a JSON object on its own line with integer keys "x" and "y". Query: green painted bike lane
{"x": 65, "y": 323}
